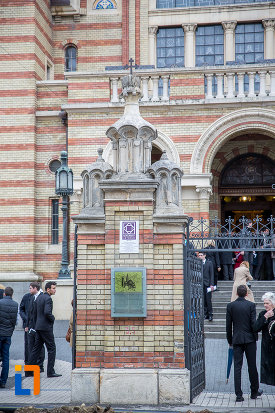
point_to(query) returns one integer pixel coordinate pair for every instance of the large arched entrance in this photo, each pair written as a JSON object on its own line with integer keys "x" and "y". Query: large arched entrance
{"x": 245, "y": 187}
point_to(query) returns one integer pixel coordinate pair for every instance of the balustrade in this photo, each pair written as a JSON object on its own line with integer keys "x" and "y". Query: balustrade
{"x": 239, "y": 83}
{"x": 221, "y": 82}
{"x": 155, "y": 88}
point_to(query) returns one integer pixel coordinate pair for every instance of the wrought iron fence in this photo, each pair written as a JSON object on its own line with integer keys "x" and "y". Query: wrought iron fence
{"x": 245, "y": 234}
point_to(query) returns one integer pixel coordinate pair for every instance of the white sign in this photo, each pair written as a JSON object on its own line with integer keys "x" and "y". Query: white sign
{"x": 129, "y": 237}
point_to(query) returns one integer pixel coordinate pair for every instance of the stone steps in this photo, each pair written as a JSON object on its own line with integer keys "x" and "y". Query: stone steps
{"x": 220, "y": 299}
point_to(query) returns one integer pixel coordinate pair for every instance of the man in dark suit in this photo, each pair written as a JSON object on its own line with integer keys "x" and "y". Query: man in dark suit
{"x": 226, "y": 257}
{"x": 44, "y": 320}
{"x": 208, "y": 282}
{"x": 241, "y": 314}
{"x": 35, "y": 292}
{"x": 23, "y": 311}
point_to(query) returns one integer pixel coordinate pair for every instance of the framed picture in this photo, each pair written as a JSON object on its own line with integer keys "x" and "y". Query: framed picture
{"x": 128, "y": 292}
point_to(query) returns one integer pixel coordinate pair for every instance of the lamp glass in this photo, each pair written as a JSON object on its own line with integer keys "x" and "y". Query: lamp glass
{"x": 63, "y": 180}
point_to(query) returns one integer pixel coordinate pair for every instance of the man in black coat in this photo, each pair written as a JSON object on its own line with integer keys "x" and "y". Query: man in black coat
{"x": 226, "y": 257}
{"x": 23, "y": 311}
{"x": 35, "y": 292}
{"x": 44, "y": 320}
{"x": 8, "y": 318}
{"x": 208, "y": 282}
{"x": 241, "y": 314}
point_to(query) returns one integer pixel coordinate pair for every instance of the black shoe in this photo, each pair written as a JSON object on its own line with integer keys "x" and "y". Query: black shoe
{"x": 239, "y": 399}
{"x": 258, "y": 394}
{"x": 211, "y": 318}
{"x": 2, "y": 385}
{"x": 28, "y": 373}
{"x": 206, "y": 317}
{"x": 42, "y": 370}
{"x": 54, "y": 375}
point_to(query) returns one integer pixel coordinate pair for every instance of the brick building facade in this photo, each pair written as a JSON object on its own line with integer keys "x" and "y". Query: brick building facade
{"x": 61, "y": 70}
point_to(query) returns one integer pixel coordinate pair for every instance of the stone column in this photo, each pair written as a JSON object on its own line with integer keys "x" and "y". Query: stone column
{"x": 269, "y": 25}
{"x": 229, "y": 40}
{"x": 204, "y": 195}
{"x": 152, "y": 45}
{"x": 189, "y": 44}
{"x": 114, "y": 81}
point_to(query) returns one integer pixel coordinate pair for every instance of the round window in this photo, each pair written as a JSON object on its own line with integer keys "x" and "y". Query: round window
{"x": 54, "y": 165}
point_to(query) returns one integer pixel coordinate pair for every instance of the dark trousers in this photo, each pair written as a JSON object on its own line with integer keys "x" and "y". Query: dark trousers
{"x": 26, "y": 348}
{"x": 47, "y": 338}
{"x": 41, "y": 357}
{"x": 248, "y": 256}
{"x": 227, "y": 271}
{"x": 250, "y": 352}
{"x": 5, "y": 343}
{"x": 216, "y": 275}
{"x": 208, "y": 311}
{"x": 265, "y": 265}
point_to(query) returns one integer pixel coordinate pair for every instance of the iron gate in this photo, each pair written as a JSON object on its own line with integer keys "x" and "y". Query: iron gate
{"x": 245, "y": 235}
{"x": 194, "y": 322}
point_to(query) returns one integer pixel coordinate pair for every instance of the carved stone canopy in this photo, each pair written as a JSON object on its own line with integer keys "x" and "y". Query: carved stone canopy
{"x": 131, "y": 136}
{"x": 168, "y": 194}
{"x": 92, "y": 194}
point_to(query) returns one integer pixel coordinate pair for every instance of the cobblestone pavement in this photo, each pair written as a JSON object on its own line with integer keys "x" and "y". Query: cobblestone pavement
{"x": 217, "y": 393}
{"x": 217, "y": 397}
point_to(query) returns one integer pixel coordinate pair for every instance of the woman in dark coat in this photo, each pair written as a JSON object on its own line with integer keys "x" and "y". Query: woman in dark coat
{"x": 266, "y": 324}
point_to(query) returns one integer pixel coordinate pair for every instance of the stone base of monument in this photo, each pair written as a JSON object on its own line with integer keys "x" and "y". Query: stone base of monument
{"x": 131, "y": 386}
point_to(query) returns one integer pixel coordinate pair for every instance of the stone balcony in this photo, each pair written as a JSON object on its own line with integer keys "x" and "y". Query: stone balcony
{"x": 207, "y": 84}
{"x": 231, "y": 84}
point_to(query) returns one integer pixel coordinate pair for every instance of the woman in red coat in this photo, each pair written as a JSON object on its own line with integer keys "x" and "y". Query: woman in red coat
{"x": 238, "y": 258}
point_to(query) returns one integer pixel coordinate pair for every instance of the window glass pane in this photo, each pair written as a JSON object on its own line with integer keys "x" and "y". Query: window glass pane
{"x": 209, "y": 47}
{"x": 163, "y": 4}
{"x": 170, "y": 47}
{"x": 249, "y": 46}
{"x": 54, "y": 229}
{"x": 70, "y": 59}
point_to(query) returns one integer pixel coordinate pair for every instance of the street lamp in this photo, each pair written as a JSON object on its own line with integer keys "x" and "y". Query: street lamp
{"x": 64, "y": 188}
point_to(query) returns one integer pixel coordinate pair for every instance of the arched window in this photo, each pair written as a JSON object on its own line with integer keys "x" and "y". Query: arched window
{"x": 248, "y": 170}
{"x": 104, "y": 4}
{"x": 70, "y": 58}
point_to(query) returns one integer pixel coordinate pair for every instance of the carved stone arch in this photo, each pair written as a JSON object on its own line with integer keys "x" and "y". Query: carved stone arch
{"x": 224, "y": 129}
{"x": 70, "y": 42}
{"x": 163, "y": 142}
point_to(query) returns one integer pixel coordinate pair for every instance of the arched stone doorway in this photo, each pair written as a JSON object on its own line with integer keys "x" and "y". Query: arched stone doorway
{"x": 245, "y": 185}
{"x": 243, "y": 172}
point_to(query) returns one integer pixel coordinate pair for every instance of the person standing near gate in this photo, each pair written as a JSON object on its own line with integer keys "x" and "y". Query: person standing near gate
{"x": 44, "y": 320}
{"x": 8, "y": 318}
{"x": 35, "y": 292}
{"x": 241, "y": 315}
{"x": 208, "y": 283}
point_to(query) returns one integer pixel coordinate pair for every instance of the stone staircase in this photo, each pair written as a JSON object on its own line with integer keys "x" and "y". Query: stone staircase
{"x": 220, "y": 299}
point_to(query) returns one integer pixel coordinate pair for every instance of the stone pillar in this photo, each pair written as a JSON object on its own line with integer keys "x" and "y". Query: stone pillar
{"x": 229, "y": 40}
{"x": 152, "y": 45}
{"x": 124, "y": 357}
{"x": 189, "y": 44}
{"x": 269, "y": 25}
{"x": 204, "y": 195}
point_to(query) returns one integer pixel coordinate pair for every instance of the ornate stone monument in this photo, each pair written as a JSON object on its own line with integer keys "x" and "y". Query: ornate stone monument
{"x": 130, "y": 335}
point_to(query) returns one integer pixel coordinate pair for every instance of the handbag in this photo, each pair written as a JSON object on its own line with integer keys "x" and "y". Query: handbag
{"x": 68, "y": 335}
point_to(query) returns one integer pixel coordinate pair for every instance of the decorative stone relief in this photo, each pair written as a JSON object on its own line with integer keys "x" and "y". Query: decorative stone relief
{"x": 168, "y": 194}
{"x": 92, "y": 194}
{"x": 131, "y": 135}
{"x": 230, "y": 25}
{"x": 204, "y": 191}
